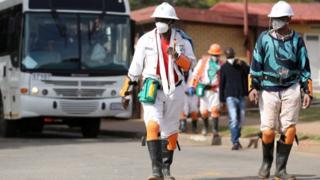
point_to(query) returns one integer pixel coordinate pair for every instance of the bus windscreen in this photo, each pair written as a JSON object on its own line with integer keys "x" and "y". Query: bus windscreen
{"x": 76, "y": 42}
{"x": 86, "y": 5}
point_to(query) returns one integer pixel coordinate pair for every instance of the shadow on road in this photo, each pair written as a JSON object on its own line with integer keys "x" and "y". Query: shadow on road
{"x": 298, "y": 176}
{"x": 62, "y": 136}
{"x": 230, "y": 178}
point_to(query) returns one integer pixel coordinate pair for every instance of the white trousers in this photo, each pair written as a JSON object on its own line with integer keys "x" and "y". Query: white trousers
{"x": 209, "y": 100}
{"x": 279, "y": 110}
{"x": 190, "y": 104}
{"x": 166, "y": 111}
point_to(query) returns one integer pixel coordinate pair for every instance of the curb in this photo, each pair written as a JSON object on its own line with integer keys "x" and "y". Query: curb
{"x": 114, "y": 133}
{"x": 184, "y": 139}
{"x": 124, "y": 134}
{"x": 198, "y": 139}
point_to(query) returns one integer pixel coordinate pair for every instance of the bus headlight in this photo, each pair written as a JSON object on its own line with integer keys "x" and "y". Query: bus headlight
{"x": 34, "y": 90}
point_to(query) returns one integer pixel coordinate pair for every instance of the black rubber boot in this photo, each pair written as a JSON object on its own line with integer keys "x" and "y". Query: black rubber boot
{"x": 183, "y": 125}
{"x": 216, "y": 139}
{"x": 194, "y": 126}
{"x": 283, "y": 151}
{"x": 267, "y": 151}
{"x": 167, "y": 157}
{"x": 155, "y": 152}
{"x": 205, "y": 128}
{"x": 215, "y": 125}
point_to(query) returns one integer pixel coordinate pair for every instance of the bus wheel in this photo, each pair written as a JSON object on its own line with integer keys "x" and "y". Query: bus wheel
{"x": 33, "y": 125}
{"x": 90, "y": 127}
{"x": 8, "y": 128}
{"x": 36, "y": 125}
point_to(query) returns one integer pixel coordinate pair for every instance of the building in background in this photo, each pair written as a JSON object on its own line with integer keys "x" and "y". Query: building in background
{"x": 223, "y": 24}
{"x": 204, "y": 26}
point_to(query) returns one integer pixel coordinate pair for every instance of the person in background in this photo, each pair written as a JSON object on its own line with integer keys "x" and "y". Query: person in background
{"x": 190, "y": 107}
{"x": 205, "y": 84}
{"x": 232, "y": 91}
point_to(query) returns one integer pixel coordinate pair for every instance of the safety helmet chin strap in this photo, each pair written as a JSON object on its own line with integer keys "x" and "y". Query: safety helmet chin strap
{"x": 269, "y": 29}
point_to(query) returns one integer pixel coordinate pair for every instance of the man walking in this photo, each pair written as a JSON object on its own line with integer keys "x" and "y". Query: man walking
{"x": 233, "y": 89}
{"x": 190, "y": 108}
{"x": 205, "y": 81}
{"x": 280, "y": 69}
{"x": 160, "y": 57}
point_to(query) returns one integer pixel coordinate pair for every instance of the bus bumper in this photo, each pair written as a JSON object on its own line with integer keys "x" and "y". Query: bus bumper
{"x": 32, "y": 106}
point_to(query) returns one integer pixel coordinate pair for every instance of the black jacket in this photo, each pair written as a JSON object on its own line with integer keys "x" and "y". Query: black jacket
{"x": 234, "y": 80}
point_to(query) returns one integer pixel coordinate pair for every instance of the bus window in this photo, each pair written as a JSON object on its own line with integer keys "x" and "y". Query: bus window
{"x": 49, "y": 43}
{"x": 109, "y": 5}
{"x": 105, "y": 42}
{"x": 53, "y": 42}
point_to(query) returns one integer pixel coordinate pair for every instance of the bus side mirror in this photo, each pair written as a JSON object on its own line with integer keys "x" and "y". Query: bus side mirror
{"x": 14, "y": 59}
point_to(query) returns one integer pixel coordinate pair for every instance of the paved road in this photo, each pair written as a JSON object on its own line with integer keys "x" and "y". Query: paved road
{"x": 66, "y": 156}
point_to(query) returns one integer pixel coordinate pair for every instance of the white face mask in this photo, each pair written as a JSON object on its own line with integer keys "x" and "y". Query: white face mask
{"x": 214, "y": 58}
{"x": 231, "y": 61}
{"x": 162, "y": 27}
{"x": 278, "y": 23}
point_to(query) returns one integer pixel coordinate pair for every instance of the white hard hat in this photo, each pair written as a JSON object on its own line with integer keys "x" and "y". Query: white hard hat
{"x": 165, "y": 11}
{"x": 281, "y": 9}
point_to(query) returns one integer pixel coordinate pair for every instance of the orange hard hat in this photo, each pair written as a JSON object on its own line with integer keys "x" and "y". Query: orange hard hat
{"x": 215, "y": 49}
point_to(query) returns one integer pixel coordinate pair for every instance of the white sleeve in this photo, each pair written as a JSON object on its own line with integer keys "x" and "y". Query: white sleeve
{"x": 196, "y": 68}
{"x": 136, "y": 66}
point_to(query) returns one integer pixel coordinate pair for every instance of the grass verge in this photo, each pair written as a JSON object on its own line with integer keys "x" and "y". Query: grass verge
{"x": 247, "y": 132}
{"x": 308, "y": 137}
{"x": 306, "y": 115}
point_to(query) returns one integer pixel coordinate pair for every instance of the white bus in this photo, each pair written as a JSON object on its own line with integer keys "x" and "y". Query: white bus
{"x": 62, "y": 61}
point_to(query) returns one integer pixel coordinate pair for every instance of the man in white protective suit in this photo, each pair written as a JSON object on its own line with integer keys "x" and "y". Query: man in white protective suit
{"x": 161, "y": 55}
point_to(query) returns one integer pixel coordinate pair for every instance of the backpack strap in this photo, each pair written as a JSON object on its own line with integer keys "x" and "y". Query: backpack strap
{"x": 184, "y": 35}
